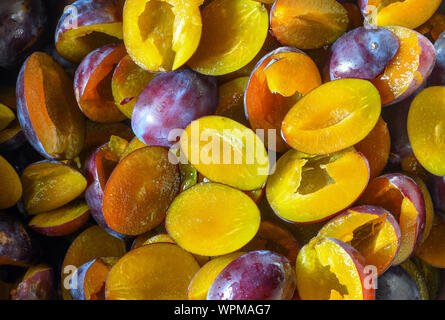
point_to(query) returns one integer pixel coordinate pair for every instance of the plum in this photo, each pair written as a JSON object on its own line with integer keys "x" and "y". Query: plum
{"x": 437, "y": 77}
{"x": 87, "y": 25}
{"x": 21, "y": 29}
{"x": 92, "y": 84}
{"x": 437, "y": 187}
{"x": 172, "y": 101}
{"x": 397, "y": 284}
{"x": 257, "y": 275}
{"x": 98, "y": 168}
{"x": 37, "y": 284}
{"x": 17, "y": 247}
{"x": 362, "y": 53}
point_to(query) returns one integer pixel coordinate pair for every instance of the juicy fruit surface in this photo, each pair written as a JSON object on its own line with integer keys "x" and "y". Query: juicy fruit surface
{"x": 335, "y": 268}
{"x": 347, "y": 108}
{"x": 50, "y": 185}
{"x": 47, "y": 110}
{"x": 426, "y": 129}
{"x": 161, "y": 35}
{"x": 222, "y": 51}
{"x": 307, "y": 188}
{"x": 277, "y": 82}
{"x": 223, "y": 224}
{"x": 222, "y": 150}
{"x": 307, "y": 24}
{"x": 237, "y": 157}
{"x": 152, "y": 183}
{"x": 160, "y": 271}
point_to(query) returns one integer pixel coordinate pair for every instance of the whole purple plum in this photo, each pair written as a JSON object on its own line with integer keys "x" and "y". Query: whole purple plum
{"x": 172, "y": 101}
{"x": 22, "y": 26}
{"x": 257, "y": 275}
{"x": 362, "y": 53}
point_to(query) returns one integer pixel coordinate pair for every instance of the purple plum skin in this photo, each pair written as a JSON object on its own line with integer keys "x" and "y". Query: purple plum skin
{"x": 88, "y": 13}
{"x": 362, "y": 53}
{"x": 172, "y": 101}
{"x": 40, "y": 286}
{"x": 17, "y": 245}
{"x": 257, "y": 275}
{"x": 79, "y": 293}
{"x": 410, "y": 190}
{"x": 437, "y": 77}
{"x": 22, "y": 26}
{"x": 94, "y": 195}
{"x": 397, "y": 284}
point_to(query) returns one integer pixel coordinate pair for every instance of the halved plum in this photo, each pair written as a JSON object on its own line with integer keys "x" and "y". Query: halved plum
{"x": 160, "y": 271}
{"x": 226, "y": 221}
{"x": 48, "y": 185}
{"x": 10, "y": 185}
{"x": 372, "y": 231}
{"x": 92, "y": 243}
{"x": 409, "y": 69}
{"x": 407, "y": 13}
{"x": 277, "y": 82}
{"x": 332, "y": 117}
{"x": 161, "y": 35}
{"x": 91, "y": 278}
{"x": 233, "y": 32}
{"x": 426, "y": 129}
{"x": 307, "y": 189}
{"x": 128, "y": 81}
{"x": 139, "y": 191}
{"x": 329, "y": 269}
{"x": 225, "y": 151}
{"x": 87, "y": 25}
{"x": 61, "y": 221}
{"x": 308, "y": 24}
{"x": 92, "y": 84}
{"x": 402, "y": 197}
{"x": 47, "y": 109}
{"x": 38, "y": 283}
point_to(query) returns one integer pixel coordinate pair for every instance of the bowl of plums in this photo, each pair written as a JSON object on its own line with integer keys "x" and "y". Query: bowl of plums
{"x": 222, "y": 150}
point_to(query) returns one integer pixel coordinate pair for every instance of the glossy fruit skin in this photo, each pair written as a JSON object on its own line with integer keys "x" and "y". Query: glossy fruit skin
{"x": 17, "y": 245}
{"x": 437, "y": 187}
{"x": 396, "y": 284}
{"x": 88, "y": 67}
{"x": 362, "y": 53}
{"x": 87, "y": 13}
{"x": 94, "y": 194}
{"x": 437, "y": 77}
{"x": 257, "y": 275}
{"x": 22, "y": 25}
{"x": 171, "y": 101}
